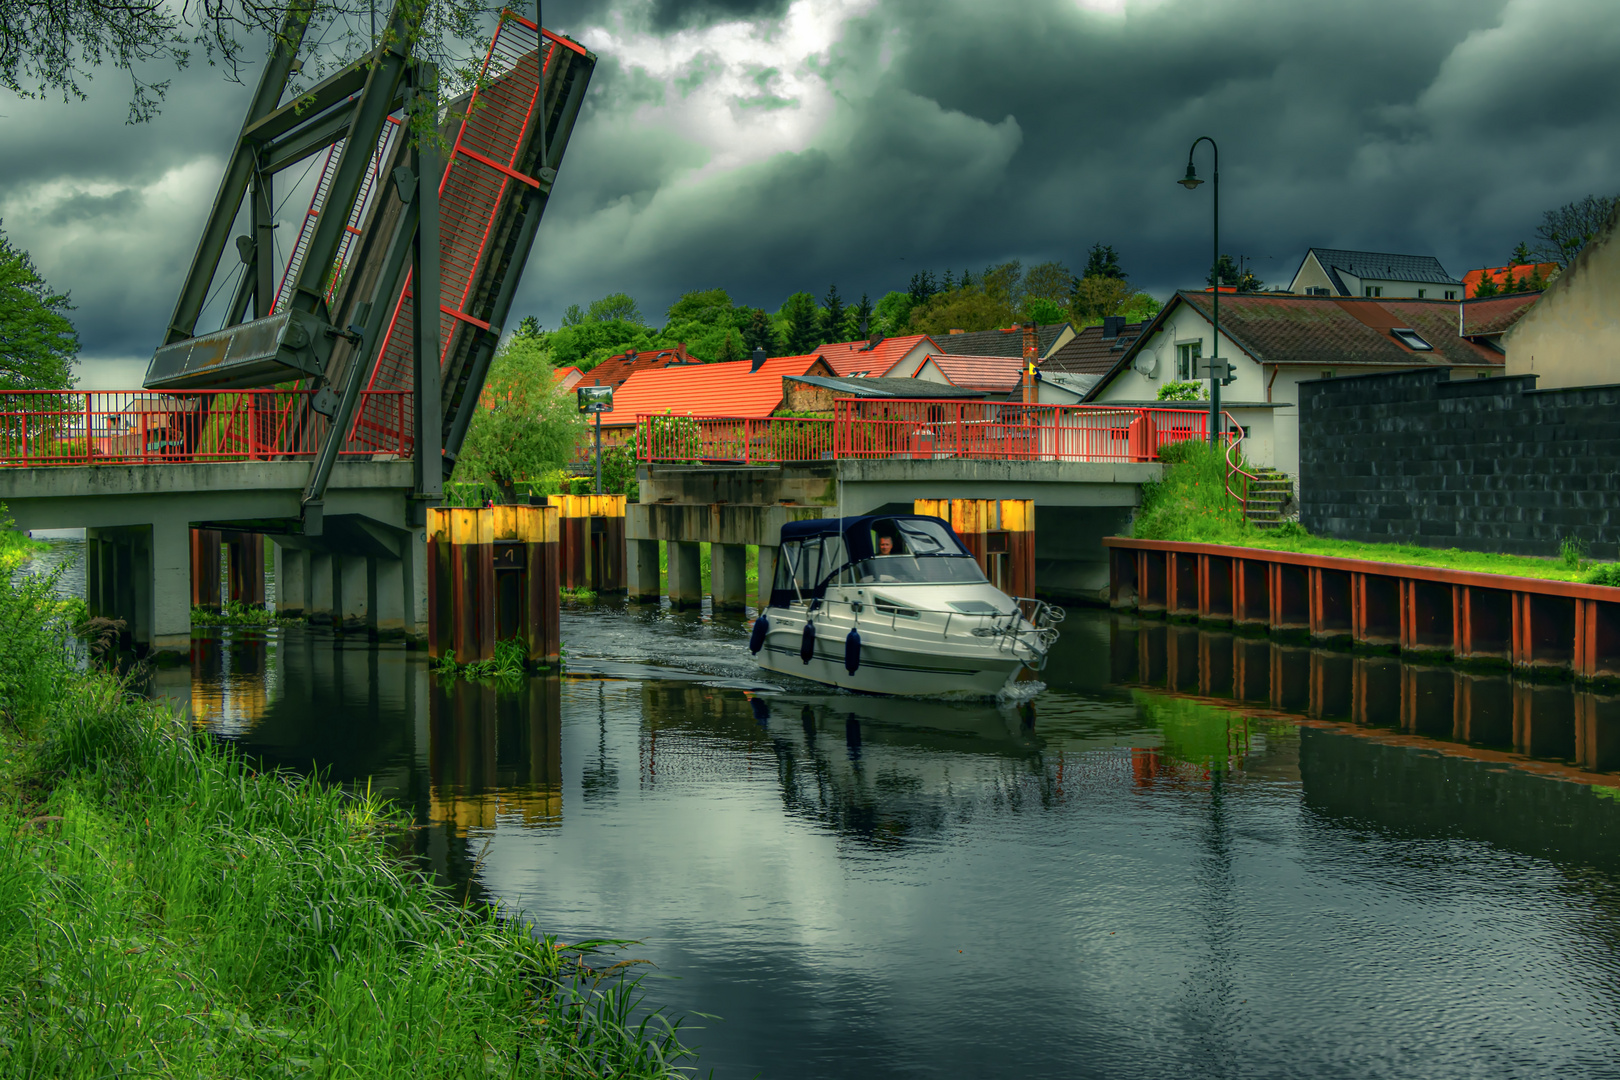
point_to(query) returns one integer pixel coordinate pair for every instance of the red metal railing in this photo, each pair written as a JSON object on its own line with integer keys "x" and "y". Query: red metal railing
{"x": 92, "y": 427}
{"x": 733, "y": 439}
{"x": 994, "y": 430}
{"x": 924, "y": 429}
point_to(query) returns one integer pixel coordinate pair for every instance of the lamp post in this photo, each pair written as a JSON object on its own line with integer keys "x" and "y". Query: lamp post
{"x": 1191, "y": 181}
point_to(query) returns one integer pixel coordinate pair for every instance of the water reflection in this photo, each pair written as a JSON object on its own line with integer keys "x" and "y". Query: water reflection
{"x": 1194, "y": 854}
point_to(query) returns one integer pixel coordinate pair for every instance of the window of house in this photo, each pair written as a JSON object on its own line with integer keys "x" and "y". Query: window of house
{"x": 1318, "y": 290}
{"x": 1187, "y": 360}
{"x": 1451, "y": 294}
{"x": 1411, "y": 340}
{"x": 1327, "y": 374}
{"x": 1372, "y": 290}
{"x": 1422, "y": 293}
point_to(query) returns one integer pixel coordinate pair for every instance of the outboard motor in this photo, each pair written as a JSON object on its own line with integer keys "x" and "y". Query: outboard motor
{"x": 807, "y": 643}
{"x": 852, "y": 651}
{"x": 756, "y": 640}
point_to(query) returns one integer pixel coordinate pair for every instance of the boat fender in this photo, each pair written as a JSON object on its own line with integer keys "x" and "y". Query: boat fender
{"x": 852, "y": 651}
{"x": 807, "y": 643}
{"x": 756, "y": 641}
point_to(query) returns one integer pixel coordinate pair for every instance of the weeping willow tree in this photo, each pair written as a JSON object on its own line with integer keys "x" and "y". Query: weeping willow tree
{"x": 524, "y": 430}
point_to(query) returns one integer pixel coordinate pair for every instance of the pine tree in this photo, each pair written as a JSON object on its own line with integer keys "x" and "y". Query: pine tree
{"x": 1486, "y": 286}
{"x": 1102, "y": 261}
{"x": 729, "y": 349}
{"x": 949, "y": 283}
{"x": 862, "y": 316}
{"x": 529, "y": 327}
{"x": 833, "y": 316}
{"x": 803, "y": 320}
{"x": 922, "y": 287}
{"x": 758, "y": 334}
{"x": 1521, "y": 255}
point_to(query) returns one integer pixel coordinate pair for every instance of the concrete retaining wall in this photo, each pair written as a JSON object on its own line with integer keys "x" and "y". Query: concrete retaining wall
{"x": 1478, "y": 464}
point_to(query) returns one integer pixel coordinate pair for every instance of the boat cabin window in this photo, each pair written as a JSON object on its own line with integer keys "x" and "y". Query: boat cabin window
{"x": 804, "y": 568}
{"x": 910, "y": 550}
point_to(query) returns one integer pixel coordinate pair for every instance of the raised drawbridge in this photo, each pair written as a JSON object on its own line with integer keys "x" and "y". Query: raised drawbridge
{"x": 397, "y": 214}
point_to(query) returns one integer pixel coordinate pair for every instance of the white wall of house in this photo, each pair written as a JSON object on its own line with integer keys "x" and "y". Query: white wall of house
{"x": 1160, "y": 356}
{"x": 1274, "y": 431}
{"x": 1571, "y": 337}
{"x": 1313, "y": 275}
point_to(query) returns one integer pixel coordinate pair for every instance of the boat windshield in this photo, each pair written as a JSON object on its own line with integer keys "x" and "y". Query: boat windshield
{"x": 915, "y": 551}
{"x": 920, "y": 569}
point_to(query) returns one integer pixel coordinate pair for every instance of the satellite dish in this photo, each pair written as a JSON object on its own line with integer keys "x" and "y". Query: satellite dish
{"x": 1146, "y": 363}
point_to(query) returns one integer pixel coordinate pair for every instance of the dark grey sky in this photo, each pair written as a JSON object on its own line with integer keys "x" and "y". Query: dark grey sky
{"x": 771, "y": 146}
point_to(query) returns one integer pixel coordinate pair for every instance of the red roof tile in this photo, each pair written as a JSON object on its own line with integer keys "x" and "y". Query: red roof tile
{"x": 615, "y": 369}
{"x": 568, "y": 376}
{"x": 722, "y": 389}
{"x": 996, "y": 374}
{"x": 849, "y": 357}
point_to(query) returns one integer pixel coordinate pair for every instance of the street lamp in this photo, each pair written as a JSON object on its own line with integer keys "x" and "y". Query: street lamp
{"x": 1191, "y": 181}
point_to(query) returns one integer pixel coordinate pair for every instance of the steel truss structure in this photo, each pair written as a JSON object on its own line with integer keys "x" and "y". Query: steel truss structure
{"x": 389, "y": 222}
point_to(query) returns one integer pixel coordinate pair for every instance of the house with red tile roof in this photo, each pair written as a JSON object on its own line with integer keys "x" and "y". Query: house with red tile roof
{"x": 1008, "y": 341}
{"x": 1276, "y": 341}
{"x": 567, "y": 378}
{"x": 729, "y": 388}
{"x": 1502, "y": 275}
{"x": 992, "y": 374}
{"x": 876, "y": 358}
{"x": 616, "y": 369}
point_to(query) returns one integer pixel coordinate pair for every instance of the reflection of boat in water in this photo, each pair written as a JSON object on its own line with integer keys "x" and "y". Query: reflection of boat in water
{"x": 895, "y": 605}
{"x": 972, "y": 727}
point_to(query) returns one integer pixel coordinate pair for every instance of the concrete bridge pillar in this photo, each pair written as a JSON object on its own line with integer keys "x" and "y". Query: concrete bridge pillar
{"x": 292, "y": 582}
{"x": 351, "y": 593}
{"x": 685, "y": 573}
{"x": 415, "y": 568}
{"x": 142, "y": 575}
{"x": 321, "y": 571}
{"x": 728, "y": 576}
{"x": 767, "y": 574}
{"x": 385, "y": 597}
{"x": 641, "y": 569}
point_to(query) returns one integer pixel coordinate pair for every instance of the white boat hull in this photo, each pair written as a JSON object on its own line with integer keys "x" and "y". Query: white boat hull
{"x": 923, "y": 657}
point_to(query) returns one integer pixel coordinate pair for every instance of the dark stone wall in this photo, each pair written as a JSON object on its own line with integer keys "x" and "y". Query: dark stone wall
{"x": 1479, "y": 464}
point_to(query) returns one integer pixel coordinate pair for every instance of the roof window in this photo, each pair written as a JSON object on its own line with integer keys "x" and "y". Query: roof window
{"x": 1411, "y": 340}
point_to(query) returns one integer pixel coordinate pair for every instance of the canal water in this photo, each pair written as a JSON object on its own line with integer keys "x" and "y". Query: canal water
{"x": 1186, "y": 854}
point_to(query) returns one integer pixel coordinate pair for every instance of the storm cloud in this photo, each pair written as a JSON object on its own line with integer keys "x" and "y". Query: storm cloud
{"x": 767, "y": 146}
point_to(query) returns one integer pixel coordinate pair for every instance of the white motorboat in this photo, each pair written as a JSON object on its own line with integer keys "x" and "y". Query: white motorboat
{"x": 895, "y": 604}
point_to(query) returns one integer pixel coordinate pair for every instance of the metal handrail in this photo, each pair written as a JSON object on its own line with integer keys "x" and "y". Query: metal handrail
{"x": 1233, "y": 469}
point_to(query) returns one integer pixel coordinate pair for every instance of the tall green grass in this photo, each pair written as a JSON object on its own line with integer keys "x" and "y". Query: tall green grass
{"x": 1191, "y": 504}
{"x": 166, "y": 909}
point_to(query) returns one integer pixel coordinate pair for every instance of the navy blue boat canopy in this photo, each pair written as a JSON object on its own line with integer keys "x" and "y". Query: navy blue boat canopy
{"x": 874, "y": 549}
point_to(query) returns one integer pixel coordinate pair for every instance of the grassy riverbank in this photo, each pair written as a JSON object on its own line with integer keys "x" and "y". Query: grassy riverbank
{"x": 1191, "y": 504}
{"x": 166, "y": 909}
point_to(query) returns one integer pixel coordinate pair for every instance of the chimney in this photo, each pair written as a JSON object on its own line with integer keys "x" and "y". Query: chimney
{"x": 759, "y": 361}
{"x": 680, "y": 353}
{"x": 1112, "y": 325}
{"x": 1032, "y": 353}
{"x": 958, "y": 331}
{"x": 630, "y": 356}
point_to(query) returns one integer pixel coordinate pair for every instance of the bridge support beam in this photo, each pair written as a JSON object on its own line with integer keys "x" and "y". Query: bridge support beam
{"x": 321, "y": 570}
{"x": 292, "y": 581}
{"x": 641, "y": 570}
{"x": 767, "y": 574}
{"x": 685, "y": 574}
{"x": 164, "y": 590}
{"x": 385, "y": 602}
{"x": 728, "y": 577}
{"x": 351, "y": 586}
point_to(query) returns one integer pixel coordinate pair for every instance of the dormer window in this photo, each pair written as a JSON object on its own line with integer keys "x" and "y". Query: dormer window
{"x": 1372, "y": 290}
{"x": 1411, "y": 340}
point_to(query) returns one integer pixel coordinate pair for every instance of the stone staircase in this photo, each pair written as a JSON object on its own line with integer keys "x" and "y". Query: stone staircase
{"x": 1269, "y": 492}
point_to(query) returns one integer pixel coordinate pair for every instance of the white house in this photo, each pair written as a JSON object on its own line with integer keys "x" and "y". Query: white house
{"x": 1373, "y": 275}
{"x": 1275, "y": 342}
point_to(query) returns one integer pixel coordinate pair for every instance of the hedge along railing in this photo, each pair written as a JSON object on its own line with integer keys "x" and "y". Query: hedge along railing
{"x": 89, "y": 427}
{"x": 742, "y": 440}
{"x": 995, "y": 430}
